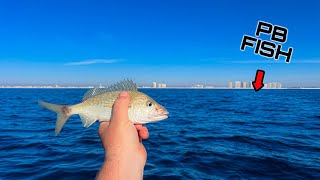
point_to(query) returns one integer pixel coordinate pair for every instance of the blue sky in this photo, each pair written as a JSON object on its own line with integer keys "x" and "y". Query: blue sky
{"x": 174, "y": 42}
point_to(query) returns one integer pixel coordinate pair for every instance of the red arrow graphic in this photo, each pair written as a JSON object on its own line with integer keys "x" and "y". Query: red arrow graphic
{"x": 258, "y": 82}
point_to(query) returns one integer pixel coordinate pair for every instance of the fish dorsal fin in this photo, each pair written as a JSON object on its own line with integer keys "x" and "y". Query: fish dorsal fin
{"x": 125, "y": 85}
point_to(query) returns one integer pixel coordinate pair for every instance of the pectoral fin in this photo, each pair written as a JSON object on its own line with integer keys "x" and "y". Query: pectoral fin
{"x": 87, "y": 120}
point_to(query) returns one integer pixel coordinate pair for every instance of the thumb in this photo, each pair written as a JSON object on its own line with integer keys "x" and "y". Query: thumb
{"x": 120, "y": 108}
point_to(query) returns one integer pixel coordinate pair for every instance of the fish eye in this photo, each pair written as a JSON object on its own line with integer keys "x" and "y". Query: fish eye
{"x": 149, "y": 104}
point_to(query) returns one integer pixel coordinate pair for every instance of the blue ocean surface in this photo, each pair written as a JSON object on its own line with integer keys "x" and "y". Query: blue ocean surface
{"x": 210, "y": 134}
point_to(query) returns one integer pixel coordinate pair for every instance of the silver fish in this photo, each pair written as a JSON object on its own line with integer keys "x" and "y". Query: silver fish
{"x": 97, "y": 105}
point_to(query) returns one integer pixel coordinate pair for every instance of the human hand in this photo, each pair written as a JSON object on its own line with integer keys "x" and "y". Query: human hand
{"x": 125, "y": 155}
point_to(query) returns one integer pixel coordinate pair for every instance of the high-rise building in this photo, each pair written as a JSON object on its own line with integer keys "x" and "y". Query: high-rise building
{"x": 265, "y": 86}
{"x": 237, "y": 84}
{"x": 279, "y": 85}
{"x": 251, "y": 85}
{"x": 154, "y": 84}
{"x": 244, "y": 84}
{"x": 274, "y": 85}
{"x": 269, "y": 85}
{"x": 230, "y": 84}
{"x": 162, "y": 85}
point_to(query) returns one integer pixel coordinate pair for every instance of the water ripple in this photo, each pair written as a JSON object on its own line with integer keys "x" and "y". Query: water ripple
{"x": 211, "y": 134}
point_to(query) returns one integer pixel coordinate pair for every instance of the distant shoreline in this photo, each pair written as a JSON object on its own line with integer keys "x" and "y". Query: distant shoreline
{"x": 89, "y": 87}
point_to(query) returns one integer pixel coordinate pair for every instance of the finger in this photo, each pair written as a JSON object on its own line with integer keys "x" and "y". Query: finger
{"x": 103, "y": 126}
{"x": 143, "y": 133}
{"x": 138, "y": 126}
{"x": 120, "y": 107}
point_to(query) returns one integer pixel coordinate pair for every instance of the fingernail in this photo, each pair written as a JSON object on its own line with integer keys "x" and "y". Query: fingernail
{"x": 124, "y": 93}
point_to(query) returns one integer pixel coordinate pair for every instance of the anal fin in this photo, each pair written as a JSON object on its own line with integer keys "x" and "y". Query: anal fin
{"x": 87, "y": 120}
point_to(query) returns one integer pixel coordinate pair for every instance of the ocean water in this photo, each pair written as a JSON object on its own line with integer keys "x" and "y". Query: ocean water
{"x": 210, "y": 134}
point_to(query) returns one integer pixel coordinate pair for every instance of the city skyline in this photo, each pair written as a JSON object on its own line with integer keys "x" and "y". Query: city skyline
{"x": 246, "y": 85}
{"x": 160, "y": 41}
{"x": 229, "y": 85}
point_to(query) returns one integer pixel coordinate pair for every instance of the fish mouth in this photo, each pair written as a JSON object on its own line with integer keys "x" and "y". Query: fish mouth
{"x": 164, "y": 113}
{"x": 159, "y": 117}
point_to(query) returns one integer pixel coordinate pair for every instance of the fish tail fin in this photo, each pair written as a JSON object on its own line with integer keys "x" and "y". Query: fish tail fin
{"x": 63, "y": 114}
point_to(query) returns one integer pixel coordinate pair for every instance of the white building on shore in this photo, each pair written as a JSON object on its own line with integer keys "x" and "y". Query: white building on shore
{"x": 162, "y": 85}
{"x": 237, "y": 84}
{"x": 244, "y": 84}
{"x": 154, "y": 84}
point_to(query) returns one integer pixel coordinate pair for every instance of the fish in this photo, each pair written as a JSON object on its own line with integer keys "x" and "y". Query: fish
{"x": 97, "y": 105}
